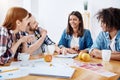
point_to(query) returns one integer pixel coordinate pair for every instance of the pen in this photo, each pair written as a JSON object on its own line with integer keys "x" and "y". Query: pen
{"x": 2, "y": 71}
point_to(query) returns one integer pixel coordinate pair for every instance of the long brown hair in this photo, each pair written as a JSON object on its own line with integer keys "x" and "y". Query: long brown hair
{"x": 13, "y": 14}
{"x": 81, "y": 26}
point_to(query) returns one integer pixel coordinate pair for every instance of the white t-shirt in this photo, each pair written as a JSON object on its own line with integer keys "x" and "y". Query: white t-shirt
{"x": 74, "y": 42}
{"x": 39, "y": 50}
{"x": 112, "y": 44}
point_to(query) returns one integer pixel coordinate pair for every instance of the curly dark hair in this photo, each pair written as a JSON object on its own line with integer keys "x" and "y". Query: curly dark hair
{"x": 110, "y": 16}
{"x": 81, "y": 26}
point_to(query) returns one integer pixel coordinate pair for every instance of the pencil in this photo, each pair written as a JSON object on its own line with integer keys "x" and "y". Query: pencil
{"x": 2, "y": 71}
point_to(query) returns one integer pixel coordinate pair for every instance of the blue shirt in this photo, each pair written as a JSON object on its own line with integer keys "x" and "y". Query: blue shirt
{"x": 85, "y": 42}
{"x": 103, "y": 41}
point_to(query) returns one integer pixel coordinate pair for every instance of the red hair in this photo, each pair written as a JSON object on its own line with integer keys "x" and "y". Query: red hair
{"x": 13, "y": 14}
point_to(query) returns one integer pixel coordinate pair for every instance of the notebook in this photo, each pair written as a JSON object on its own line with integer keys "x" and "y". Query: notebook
{"x": 53, "y": 70}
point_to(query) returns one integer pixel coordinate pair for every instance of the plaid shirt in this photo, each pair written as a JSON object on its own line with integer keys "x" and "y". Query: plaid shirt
{"x": 19, "y": 49}
{"x": 6, "y": 40}
{"x": 47, "y": 40}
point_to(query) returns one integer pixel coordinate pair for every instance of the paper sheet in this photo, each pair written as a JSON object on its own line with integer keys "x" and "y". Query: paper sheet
{"x": 98, "y": 70}
{"x": 55, "y": 70}
{"x": 39, "y": 62}
{"x": 29, "y": 63}
{"x": 67, "y": 55}
{"x": 21, "y": 72}
{"x": 95, "y": 67}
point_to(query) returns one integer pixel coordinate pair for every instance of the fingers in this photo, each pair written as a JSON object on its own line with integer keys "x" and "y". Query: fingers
{"x": 76, "y": 48}
{"x": 64, "y": 51}
{"x": 28, "y": 38}
{"x": 91, "y": 54}
{"x": 43, "y": 32}
{"x": 72, "y": 51}
{"x": 57, "y": 49}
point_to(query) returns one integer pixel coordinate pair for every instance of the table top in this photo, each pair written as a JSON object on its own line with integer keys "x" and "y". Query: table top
{"x": 83, "y": 74}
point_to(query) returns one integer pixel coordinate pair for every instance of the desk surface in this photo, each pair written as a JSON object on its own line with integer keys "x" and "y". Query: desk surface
{"x": 82, "y": 74}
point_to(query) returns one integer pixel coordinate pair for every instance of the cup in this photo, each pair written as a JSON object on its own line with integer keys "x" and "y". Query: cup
{"x": 106, "y": 54}
{"x": 51, "y": 49}
{"x": 23, "y": 56}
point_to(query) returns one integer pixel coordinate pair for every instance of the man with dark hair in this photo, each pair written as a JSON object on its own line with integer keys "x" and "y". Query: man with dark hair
{"x": 41, "y": 38}
{"x": 109, "y": 38}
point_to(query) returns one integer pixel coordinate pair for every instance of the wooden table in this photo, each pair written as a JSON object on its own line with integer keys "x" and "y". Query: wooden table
{"x": 82, "y": 74}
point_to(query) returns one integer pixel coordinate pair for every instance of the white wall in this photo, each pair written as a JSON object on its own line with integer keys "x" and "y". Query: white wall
{"x": 5, "y": 4}
{"x": 52, "y": 14}
{"x": 94, "y": 7}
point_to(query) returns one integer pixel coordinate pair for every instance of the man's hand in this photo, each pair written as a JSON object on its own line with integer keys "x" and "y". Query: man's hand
{"x": 27, "y": 38}
{"x": 43, "y": 32}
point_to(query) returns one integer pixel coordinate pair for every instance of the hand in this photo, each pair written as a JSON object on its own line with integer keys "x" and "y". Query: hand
{"x": 35, "y": 25}
{"x": 31, "y": 38}
{"x": 96, "y": 53}
{"x": 84, "y": 51}
{"x": 64, "y": 50}
{"x": 28, "y": 39}
{"x": 72, "y": 51}
{"x": 76, "y": 48}
{"x": 115, "y": 52}
{"x": 43, "y": 32}
{"x": 57, "y": 49}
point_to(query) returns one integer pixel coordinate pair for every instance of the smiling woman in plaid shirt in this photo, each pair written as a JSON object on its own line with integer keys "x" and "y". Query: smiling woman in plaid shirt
{"x": 16, "y": 20}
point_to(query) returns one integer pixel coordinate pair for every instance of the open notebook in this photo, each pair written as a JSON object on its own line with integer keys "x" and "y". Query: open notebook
{"x": 53, "y": 70}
